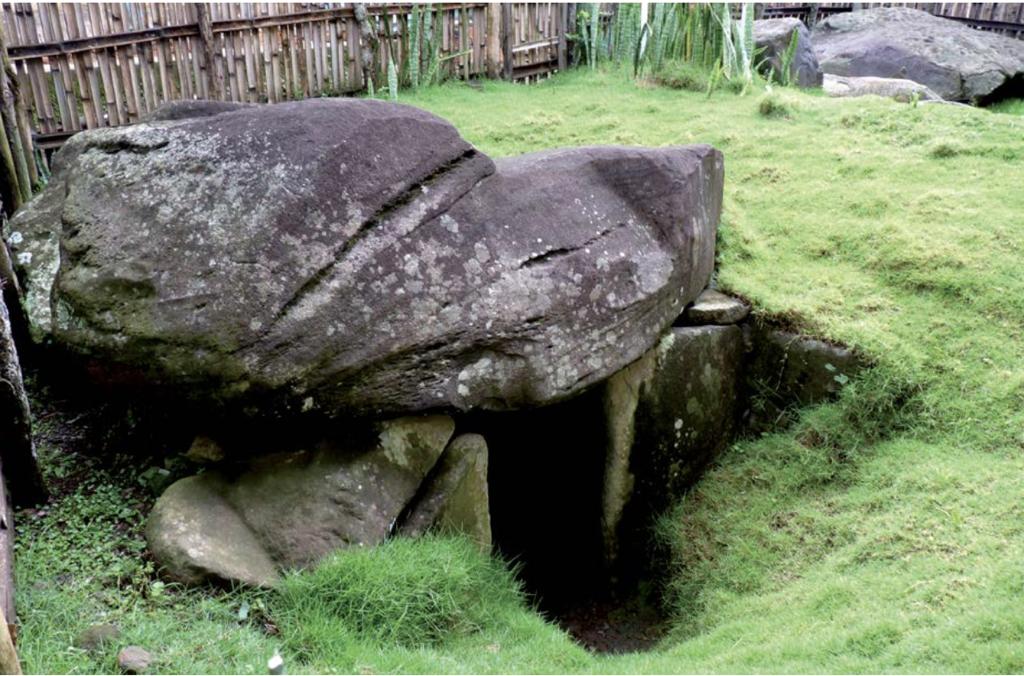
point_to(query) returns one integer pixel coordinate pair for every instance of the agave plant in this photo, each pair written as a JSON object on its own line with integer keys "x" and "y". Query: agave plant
{"x": 704, "y": 34}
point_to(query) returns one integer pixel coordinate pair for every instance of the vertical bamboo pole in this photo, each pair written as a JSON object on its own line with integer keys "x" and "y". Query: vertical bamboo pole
{"x": 214, "y": 78}
{"x": 506, "y": 40}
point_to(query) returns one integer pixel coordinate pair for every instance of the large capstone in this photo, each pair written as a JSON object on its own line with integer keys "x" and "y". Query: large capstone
{"x": 957, "y": 62}
{"x": 359, "y": 256}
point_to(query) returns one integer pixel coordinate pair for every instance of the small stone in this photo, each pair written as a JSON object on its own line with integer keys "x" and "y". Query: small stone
{"x": 715, "y": 308}
{"x": 134, "y": 660}
{"x": 205, "y": 450}
{"x": 95, "y": 636}
{"x": 156, "y": 479}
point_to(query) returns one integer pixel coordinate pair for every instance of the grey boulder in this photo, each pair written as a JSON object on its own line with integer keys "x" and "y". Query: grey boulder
{"x": 955, "y": 61}
{"x": 359, "y": 256}
{"x": 773, "y": 37}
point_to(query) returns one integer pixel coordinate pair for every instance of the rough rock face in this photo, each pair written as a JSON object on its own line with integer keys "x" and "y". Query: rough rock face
{"x": 957, "y": 62}
{"x": 774, "y": 36}
{"x": 289, "y": 509}
{"x": 360, "y": 256}
{"x": 891, "y": 88}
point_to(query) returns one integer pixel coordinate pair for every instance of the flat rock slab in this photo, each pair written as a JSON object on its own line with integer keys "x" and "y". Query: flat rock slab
{"x": 716, "y": 308}
{"x": 358, "y": 256}
{"x": 903, "y": 91}
{"x": 955, "y": 61}
{"x": 773, "y": 37}
{"x": 288, "y": 510}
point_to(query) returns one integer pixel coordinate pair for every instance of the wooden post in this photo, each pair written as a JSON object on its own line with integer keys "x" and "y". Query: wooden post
{"x": 214, "y": 76}
{"x": 6, "y": 567}
{"x": 563, "y": 37}
{"x": 812, "y": 14}
{"x": 506, "y": 41}
{"x": 493, "y": 56}
{"x": 11, "y": 189}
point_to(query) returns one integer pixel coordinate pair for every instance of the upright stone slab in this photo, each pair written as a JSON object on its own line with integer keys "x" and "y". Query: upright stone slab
{"x": 668, "y": 414}
{"x": 789, "y": 371}
{"x": 455, "y": 499}
{"x": 18, "y": 457}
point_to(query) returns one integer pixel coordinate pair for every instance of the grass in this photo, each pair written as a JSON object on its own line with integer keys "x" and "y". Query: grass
{"x": 882, "y": 533}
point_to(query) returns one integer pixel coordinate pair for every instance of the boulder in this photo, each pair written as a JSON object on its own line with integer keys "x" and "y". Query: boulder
{"x": 903, "y": 91}
{"x": 196, "y": 536}
{"x": 18, "y": 458}
{"x": 774, "y": 37}
{"x": 455, "y": 498}
{"x": 667, "y": 415}
{"x": 955, "y": 61}
{"x": 714, "y": 307}
{"x": 359, "y": 256}
{"x": 289, "y": 509}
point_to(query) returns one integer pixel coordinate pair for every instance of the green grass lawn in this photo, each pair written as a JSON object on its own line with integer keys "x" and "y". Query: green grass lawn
{"x": 882, "y": 533}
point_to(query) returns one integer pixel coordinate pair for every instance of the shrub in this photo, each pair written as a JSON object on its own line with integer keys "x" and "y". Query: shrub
{"x": 683, "y": 75}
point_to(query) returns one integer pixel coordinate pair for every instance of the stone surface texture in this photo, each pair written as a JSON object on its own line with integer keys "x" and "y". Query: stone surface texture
{"x": 773, "y": 36}
{"x": 289, "y": 509}
{"x": 957, "y": 62}
{"x": 134, "y": 660}
{"x": 358, "y": 256}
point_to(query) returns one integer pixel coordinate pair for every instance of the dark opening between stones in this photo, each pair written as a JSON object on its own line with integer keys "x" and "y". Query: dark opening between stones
{"x": 545, "y": 479}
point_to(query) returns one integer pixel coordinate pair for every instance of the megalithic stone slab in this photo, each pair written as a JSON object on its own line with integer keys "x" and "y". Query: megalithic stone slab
{"x": 360, "y": 257}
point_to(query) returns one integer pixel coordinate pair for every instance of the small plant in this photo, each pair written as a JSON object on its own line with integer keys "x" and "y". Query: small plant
{"x": 786, "y": 75}
{"x": 392, "y": 81}
{"x": 772, "y": 105}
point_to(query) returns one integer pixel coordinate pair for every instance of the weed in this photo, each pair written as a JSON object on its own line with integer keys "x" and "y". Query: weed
{"x": 773, "y": 105}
